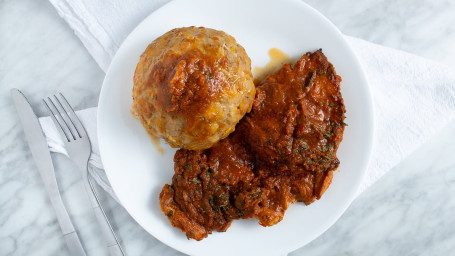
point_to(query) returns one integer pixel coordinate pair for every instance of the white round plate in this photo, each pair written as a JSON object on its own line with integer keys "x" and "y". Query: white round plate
{"x": 138, "y": 172}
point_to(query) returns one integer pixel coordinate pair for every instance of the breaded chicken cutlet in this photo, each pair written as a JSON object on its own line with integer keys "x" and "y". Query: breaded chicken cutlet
{"x": 281, "y": 152}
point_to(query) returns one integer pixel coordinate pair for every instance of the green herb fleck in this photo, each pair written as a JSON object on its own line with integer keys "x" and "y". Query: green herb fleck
{"x": 302, "y": 148}
{"x": 256, "y": 194}
{"x": 224, "y": 198}
{"x": 187, "y": 167}
{"x": 239, "y": 213}
{"x": 225, "y": 208}
{"x": 343, "y": 123}
{"x": 196, "y": 180}
{"x": 321, "y": 72}
{"x": 211, "y": 200}
{"x": 329, "y": 147}
{"x": 170, "y": 213}
{"x": 190, "y": 235}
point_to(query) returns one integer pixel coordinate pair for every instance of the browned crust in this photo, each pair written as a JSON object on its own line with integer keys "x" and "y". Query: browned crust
{"x": 191, "y": 87}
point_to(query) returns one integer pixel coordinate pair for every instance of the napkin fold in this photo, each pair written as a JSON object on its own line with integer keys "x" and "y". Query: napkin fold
{"x": 413, "y": 97}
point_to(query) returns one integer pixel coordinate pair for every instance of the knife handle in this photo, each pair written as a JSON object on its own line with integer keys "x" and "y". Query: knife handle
{"x": 40, "y": 152}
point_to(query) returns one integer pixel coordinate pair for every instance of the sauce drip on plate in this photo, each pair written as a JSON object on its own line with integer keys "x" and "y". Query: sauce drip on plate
{"x": 277, "y": 59}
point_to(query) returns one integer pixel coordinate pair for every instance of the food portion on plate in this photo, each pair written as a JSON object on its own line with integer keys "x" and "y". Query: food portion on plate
{"x": 192, "y": 85}
{"x": 297, "y": 117}
{"x": 282, "y": 152}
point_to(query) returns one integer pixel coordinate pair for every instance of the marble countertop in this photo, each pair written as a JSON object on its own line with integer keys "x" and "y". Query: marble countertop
{"x": 407, "y": 212}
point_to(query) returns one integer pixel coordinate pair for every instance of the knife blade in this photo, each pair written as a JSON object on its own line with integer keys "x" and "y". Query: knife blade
{"x": 40, "y": 152}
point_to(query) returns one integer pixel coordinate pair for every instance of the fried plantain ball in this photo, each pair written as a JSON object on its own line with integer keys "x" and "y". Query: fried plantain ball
{"x": 192, "y": 85}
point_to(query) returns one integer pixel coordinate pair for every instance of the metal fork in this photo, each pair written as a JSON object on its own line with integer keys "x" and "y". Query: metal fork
{"x": 78, "y": 146}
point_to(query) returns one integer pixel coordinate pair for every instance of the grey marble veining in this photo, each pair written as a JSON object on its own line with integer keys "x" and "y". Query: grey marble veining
{"x": 408, "y": 212}
{"x": 421, "y": 27}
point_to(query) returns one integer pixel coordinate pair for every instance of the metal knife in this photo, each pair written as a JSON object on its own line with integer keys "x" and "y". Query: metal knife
{"x": 40, "y": 152}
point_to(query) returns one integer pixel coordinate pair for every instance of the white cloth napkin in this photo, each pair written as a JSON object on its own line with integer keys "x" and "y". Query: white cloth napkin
{"x": 103, "y": 25}
{"x": 413, "y": 97}
{"x": 95, "y": 166}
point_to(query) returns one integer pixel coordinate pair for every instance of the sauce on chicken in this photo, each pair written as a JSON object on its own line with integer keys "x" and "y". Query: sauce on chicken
{"x": 282, "y": 152}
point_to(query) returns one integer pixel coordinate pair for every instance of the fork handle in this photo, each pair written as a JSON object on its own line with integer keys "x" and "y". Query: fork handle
{"x": 111, "y": 239}
{"x": 116, "y": 250}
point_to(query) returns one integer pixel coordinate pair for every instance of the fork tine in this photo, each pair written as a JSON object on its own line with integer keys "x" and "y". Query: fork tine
{"x": 57, "y": 124}
{"x": 71, "y": 124}
{"x": 75, "y": 119}
{"x": 59, "y": 112}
